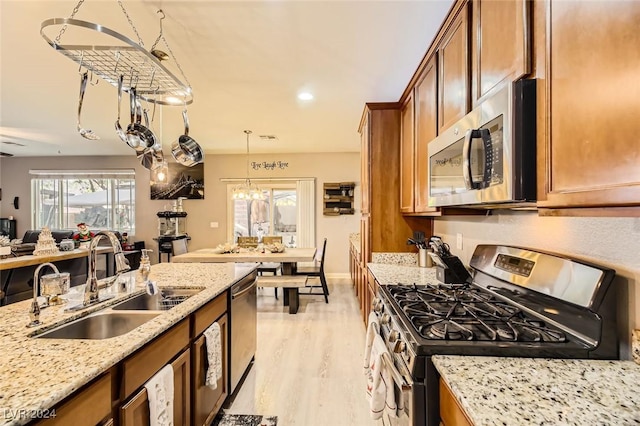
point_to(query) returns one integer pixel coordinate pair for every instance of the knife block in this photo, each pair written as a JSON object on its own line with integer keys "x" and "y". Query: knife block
{"x": 454, "y": 273}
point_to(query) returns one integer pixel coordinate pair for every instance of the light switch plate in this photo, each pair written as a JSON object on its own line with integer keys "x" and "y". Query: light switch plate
{"x": 459, "y": 241}
{"x": 213, "y": 224}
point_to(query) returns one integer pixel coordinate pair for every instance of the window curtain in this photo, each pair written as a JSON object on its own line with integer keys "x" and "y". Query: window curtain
{"x": 306, "y": 227}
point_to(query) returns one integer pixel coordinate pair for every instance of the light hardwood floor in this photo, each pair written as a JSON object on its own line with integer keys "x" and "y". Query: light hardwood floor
{"x": 308, "y": 367}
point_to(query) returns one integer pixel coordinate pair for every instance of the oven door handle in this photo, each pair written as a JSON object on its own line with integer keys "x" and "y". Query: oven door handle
{"x": 398, "y": 378}
{"x": 485, "y": 135}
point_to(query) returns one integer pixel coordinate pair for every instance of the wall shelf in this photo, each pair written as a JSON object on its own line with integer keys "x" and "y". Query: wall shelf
{"x": 338, "y": 198}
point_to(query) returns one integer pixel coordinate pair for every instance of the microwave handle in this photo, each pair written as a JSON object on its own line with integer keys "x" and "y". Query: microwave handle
{"x": 466, "y": 157}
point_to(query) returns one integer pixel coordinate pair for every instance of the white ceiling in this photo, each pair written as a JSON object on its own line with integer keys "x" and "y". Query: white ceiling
{"x": 246, "y": 62}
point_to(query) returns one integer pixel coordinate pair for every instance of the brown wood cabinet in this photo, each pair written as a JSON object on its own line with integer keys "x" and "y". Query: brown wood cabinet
{"x": 453, "y": 62}
{"x": 501, "y": 44}
{"x": 206, "y": 401}
{"x": 426, "y": 129}
{"x": 89, "y": 406}
{"x": 588, "y": 127}
{"x": 451, "y": 414}
{"x": 407, "y": 155}
{"x": 135, "y": 412}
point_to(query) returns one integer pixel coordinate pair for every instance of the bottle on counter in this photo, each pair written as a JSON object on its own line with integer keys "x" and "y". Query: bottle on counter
{"x": 145, "y": 267}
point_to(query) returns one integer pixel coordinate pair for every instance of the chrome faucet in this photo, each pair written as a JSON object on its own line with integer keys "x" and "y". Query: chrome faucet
{"x": 34, "y": 311}
{"x": 122, "y": 265}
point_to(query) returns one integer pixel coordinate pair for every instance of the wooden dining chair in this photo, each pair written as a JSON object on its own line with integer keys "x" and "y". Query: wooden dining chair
{"x": 317, "y": 271}
{"x": 247, "y": 242}
{"x": 274, "y": 268}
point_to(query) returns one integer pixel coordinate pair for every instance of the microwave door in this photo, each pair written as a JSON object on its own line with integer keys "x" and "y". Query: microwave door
{"x": 477, "y": 159}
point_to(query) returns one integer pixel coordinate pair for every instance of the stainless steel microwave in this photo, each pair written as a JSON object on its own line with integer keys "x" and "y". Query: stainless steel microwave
{"x": 489, "y": 156}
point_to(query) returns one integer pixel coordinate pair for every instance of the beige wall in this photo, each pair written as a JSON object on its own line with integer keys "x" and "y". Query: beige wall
{"x": 611, "y": 242}
{"x": 328, "y": 167}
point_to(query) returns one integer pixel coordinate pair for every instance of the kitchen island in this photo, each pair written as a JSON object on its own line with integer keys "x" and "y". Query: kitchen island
{"x": 36, "y": 374}
{"x": 518, "y": 391}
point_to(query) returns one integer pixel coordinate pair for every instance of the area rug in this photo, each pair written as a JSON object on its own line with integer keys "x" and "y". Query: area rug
{"x": 244, "y": 420}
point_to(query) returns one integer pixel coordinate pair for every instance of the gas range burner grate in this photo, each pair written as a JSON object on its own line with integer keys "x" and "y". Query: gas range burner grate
{"x": 463, "y": 312}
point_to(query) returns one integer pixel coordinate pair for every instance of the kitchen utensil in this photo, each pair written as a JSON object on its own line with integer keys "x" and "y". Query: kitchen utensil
{"x": 119, "y": 130}
{"x": 156, "y": 145}
{"x": 185, "y": 150}
{"x": 85, "y": 133}
{"x": 139, "y": 137}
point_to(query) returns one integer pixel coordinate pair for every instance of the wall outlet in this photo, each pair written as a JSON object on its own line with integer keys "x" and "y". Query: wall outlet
{"x": 459, "y": 241}
{"x": 213, "y": 224}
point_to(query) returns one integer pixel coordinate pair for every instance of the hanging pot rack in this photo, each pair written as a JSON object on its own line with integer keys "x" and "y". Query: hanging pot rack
{"x": 153, "y": 81}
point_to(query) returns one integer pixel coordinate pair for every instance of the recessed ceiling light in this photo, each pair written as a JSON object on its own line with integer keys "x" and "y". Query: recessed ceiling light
{"x": 305, "y": 96}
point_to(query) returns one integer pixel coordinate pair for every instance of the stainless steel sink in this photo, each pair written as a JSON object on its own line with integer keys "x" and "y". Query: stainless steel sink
{"x": 162, "y": 301}
{"x": 101, "y": 325}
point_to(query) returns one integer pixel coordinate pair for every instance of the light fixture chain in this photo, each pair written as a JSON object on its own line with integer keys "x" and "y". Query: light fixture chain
{"x": 155, "y": 43}
{"x": 64, "y": 27}
{"x": 131, "y": 23}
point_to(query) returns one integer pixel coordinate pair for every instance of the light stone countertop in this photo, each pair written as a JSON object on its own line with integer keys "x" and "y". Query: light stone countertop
{"x": 518, "y": 391}
{"x": 402, "y": 274}
{"x": 35, "y": 374}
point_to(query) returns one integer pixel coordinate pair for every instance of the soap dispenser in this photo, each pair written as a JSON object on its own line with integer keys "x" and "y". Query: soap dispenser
{"x": 145, "y": 266}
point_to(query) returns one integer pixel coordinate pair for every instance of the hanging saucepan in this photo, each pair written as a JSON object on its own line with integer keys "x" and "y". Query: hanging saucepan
{"x": 151, "y": 159}
{"x": 119, "y": 130}
{"x": 185, "y": 150}
{"x": 139, "y": 137}
{"x": 156, "y": 144}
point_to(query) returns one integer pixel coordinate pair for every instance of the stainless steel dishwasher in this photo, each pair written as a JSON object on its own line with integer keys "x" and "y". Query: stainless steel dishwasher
{"x": 242, "y": 327}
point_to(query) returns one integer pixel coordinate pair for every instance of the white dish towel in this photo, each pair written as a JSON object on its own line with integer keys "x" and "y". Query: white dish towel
{"x": 380, "y": 385}
{"x": 160, "y": 394}
{"x": 373, "y": 328}
{"x": 213, "y": 340}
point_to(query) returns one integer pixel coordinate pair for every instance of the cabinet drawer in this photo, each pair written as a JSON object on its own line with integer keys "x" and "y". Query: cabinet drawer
{"x": 210, "y": 312}
{"x": 88, "y": 407}
{"x": 142, "y": 365}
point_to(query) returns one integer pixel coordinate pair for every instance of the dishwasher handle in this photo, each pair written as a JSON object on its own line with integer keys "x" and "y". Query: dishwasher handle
{"x": 240, "y": 290}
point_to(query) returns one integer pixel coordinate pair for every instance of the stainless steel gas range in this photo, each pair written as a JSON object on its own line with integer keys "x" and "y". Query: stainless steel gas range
{"x": 518, "y": 302}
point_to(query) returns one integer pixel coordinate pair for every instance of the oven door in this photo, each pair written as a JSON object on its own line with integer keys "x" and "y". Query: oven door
{"x": 475, "y": 160}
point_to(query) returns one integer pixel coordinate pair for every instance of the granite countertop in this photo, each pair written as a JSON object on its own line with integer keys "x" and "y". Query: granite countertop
{"x": 35, "y": 374}
{"x": 516, "y": 391}
{"x": 402, "y": 274}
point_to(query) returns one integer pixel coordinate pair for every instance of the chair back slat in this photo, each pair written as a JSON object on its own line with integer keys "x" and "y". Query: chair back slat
{"x": 247, "y": 242}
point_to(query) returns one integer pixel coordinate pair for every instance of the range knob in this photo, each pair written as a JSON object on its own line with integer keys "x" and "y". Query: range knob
{"x": 393, "y": 336}
{"x": 376, "y": 305}
{"x": 385, "y": 319}
{"x": 400, "y": 347}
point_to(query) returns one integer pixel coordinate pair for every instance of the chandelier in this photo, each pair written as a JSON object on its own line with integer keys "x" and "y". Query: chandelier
{"x": 247, "y": 190}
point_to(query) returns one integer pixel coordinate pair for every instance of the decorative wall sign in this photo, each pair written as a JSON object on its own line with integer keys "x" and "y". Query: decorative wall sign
{"x": 182, "y": 181}
{"x": 269, "y": 165}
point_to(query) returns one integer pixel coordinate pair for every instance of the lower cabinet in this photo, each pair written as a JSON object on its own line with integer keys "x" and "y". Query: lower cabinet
{"x": 451, "y": 414}
{"x": 136, "y": 411}
{"x": 90, "y": 406}
{"x": 206, "y": 401}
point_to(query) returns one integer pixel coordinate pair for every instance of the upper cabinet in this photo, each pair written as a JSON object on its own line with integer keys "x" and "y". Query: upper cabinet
{"x": 588, "y": 151}
{"x": 364, "y": 161}
{"x": 407, "y": 155}
{"x": 453, "y": 60}
{"x": 426, "y": 129}
{"x": 501, "y": 44}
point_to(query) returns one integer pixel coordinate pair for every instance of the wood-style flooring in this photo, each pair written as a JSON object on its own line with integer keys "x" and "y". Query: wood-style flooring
{"x": 308, "y": 368}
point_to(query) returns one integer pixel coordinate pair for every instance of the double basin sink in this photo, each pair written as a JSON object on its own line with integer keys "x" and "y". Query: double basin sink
{"x": 120, "y": 318}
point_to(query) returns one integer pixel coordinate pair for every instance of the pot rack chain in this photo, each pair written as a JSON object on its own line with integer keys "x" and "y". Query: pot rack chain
{"x": 161, "y": 37}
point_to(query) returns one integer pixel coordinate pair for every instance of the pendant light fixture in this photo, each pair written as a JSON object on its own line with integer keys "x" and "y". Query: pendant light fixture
{"x": 247, "y": 190}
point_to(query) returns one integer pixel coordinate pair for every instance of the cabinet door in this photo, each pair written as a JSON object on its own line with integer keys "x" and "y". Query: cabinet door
{"x": 426, "y": 104}
{"x": 451, "y": 414}
{"x": 206, "y": 401}
{"x": 406, "y": 156}
{"x": 591, "y": 152}
{"x": 136, "y": 411}
{"x": 500, "y": 44}
{"x": 364, "y": 162}
{"x": 453, "y": 59}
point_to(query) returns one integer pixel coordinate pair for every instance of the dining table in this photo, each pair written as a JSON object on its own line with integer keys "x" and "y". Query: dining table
{"x": 289, "y": 258}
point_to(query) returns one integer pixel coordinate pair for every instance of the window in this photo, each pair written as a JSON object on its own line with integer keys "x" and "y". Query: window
{"x": 284, "y": 211}
{"x": 101, "y": 199}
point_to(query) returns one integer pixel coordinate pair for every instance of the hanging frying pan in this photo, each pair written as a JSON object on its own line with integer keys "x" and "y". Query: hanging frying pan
{"x": 185, "y": 150}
